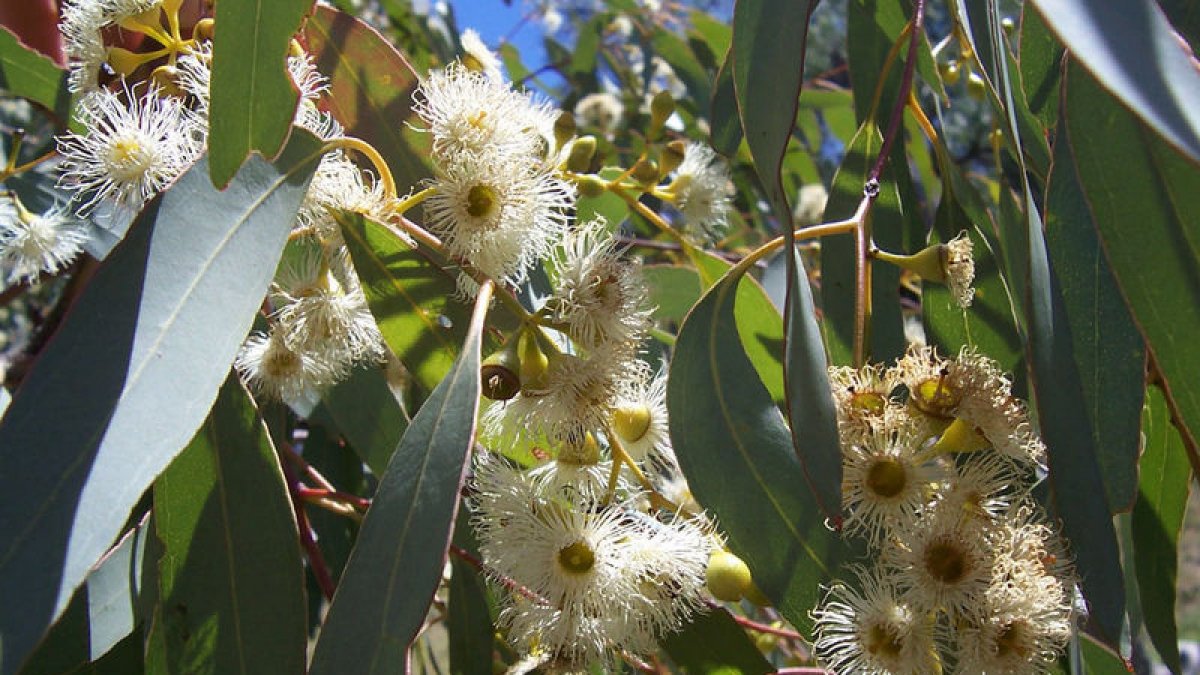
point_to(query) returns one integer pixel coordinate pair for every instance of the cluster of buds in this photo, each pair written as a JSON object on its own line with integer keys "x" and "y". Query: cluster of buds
{"x": 966, "y": 570}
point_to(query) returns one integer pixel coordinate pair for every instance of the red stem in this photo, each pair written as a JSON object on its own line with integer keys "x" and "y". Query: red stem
{"x": 360, "y": 503}
{"x": 316, "y": 561}
{"x": 897, "y": 114}
{"x": 753, "y": 625}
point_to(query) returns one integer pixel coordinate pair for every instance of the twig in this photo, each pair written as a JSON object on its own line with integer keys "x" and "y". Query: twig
{"x": 316, "y": 560}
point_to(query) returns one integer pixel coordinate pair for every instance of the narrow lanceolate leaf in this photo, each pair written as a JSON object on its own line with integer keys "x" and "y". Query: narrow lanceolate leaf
{"x": 737, "y": 454}
{"x": 370, "y": 89}
{"x": 253, "y": 96}
{"x": 1041, "y": 66}
{"x": 231, "y": 581}
{"x": 714, "y": 643}
{"x": 25, "y": 73}
{"x": 1163, "y": 491}
{"x": 397, "y": 562}
{"x": 768, "y": 68}
{"x": 363, "y": 409}
{"x": 1158, "y": 81}
{"x": 726, "y": 134}
{"x": 1143, "y": 197}
{"x": 136, "y": 364}
{"x": 1062, "y": 410}
{"x": 811, "y": 409}
{"x": 412, "y": 293}
{"x": 1108, "y": 351}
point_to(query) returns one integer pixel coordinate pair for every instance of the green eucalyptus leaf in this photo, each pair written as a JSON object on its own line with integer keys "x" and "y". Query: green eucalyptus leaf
{"x": 713, "y": 643}
{"x": 811, "y": 409}
{"x": 673, "y": 290}
{"x": 28, "y": 74}
{"x": 726, "y": 134}
{"x": 758, "y": 320}
{"x": 137, "y": 363}
{"x": 1163, "y": 490}
{"x": 253, "y": 96}
{"x": 397, "y": 562}
{"x": 738, "y": 457}
{"x": 412, "y": 294}
{"x": 1107, "y": 348}
{"x": 1062, "y": 412}
{"x": 231, "y": 577}
{"x": 469, "y": 619}
{"x": 768, "y": 69}
{"x": 365, "y": 411}
{"x": 115, "y": 590}
{"x": 370, "y": 89}
{"x": 1157, "y": 81}
{"x": 1041, "y": 66}
{"x": 1141, "y": 195}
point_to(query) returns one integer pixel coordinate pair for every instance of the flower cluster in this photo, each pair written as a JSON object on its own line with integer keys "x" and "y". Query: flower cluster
{"x": 593, "y": 560}
{"x": 144, "y": 116}
{"x": 966, "y": 572}
{"x": 585, "y": 578}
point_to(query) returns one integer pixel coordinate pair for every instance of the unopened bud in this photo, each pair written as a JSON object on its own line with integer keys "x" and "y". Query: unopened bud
{"x": 582, "y": 151}
{"x": 727, "y": 577}
{"x": 203, "y": 30}
{"x": 167, "y": 79}
{"x": 950, "y": 72}
{"x": 645, "y": 171}
{"x": 535, "y": 365}
{"x": 672, "y": 156}
{"x": 662, "y": 106}
{"x": 960, "y": 436}
{"x": 976, "y": 86}
{"x": 590, "y": 186}
{"x": 499, "y": 374}
{"x": 296, "y": 50}
{"x": 564, "y": 128}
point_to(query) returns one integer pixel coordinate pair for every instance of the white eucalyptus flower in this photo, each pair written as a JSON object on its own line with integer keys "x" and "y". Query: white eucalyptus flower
{"x": 131, "y": 147}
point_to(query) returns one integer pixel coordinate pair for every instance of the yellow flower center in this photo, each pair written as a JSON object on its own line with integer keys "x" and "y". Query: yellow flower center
{"x": 887, "y": 478}
{"x": 482, "y": 202}
{"x": 882, "y": 641}
{"x": 577, "y": 558}
{"x": 946, "y": 562}
{"x": 936, "y": 397}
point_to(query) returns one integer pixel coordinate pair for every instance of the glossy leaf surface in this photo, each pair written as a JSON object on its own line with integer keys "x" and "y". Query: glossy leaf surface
{"x": 137, "y": 364}
{"x": 714, "y": 643}
{"x": 397, "y": 562}
{"x": 737, "y": 453}
{"x": 1134, "y": 177}
{"x": 370, "y": 88}
{"x": 231, "y": 580}
{"x": 1158, "y": 81}
{"x": 1163, "y": 491}
{"x": 253, "y": 96}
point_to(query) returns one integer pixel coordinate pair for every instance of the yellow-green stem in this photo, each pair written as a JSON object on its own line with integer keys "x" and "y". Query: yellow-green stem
{"x": 403, "y": 205}
{"x": 367, "y": 150}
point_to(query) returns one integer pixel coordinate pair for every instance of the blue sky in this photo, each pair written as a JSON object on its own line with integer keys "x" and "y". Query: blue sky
{"x": 495, "y": 21}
